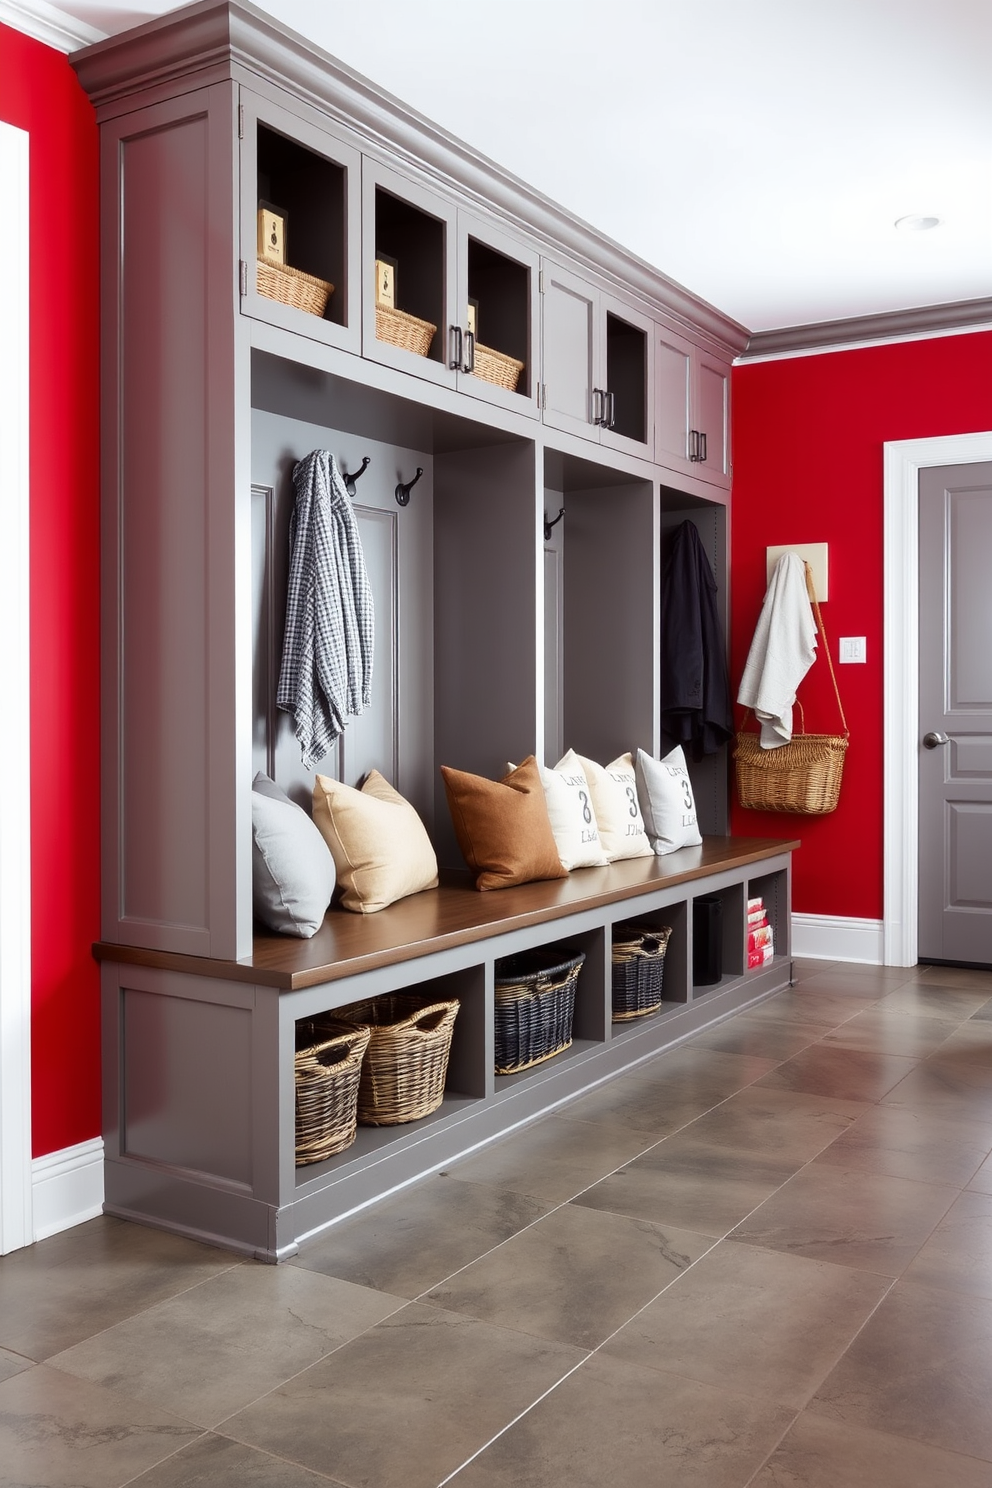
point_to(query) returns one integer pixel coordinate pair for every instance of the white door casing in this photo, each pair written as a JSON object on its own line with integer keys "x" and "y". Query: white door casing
{"x": 15, "y": 802}
{"x": 904, "y": 460}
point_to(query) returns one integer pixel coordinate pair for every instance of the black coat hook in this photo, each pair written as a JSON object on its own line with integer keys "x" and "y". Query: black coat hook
{"x": 548, "y": 525}
{"x": 403, "y": 490}
{"x": 349, "y": 480}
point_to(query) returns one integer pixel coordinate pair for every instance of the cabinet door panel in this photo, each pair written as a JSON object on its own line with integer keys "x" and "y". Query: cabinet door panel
{"x": 416, "y": 230}
{"x": 499, "y": 276}
{"x": 569, "y": 308}
{"x": 673, "y": 381}
{"x": 627, "y": 376}
{"x": 711, "y": 415}
{"x": 315, "y": 179}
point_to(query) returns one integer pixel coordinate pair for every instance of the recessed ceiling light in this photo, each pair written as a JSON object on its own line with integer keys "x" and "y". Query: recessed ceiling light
{"x": 915, "y": 223}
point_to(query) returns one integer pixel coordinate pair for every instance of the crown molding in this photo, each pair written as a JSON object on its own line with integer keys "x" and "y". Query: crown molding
{"x": 892, "y": 325}
{"x": 234, "y": 38}
{"x": 47, "y": 24}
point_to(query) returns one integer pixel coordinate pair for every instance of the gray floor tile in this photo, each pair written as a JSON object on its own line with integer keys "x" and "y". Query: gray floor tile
{"x": 920, "y": 1368}
{"x": 576, "y": 1276}
{"x": 610, "y": 1422}
{"x": 752, "y": 1320}
{"x": 818, "y": 1010}
{"x": 933, "y": 1000}
{"x": 61, "y": 1290}
{"x": 942, "y": 1088}
{"x": 844, "y": 1074}
{"x": 691, "y": 1183}
{"x": 11, "y": 1364}
{"x": 60, "y": 1432}
{"x": 409, "y": 1243}
{"x": 866, "y": 1220}
{"x": 818, "y": 1453}
{"x": 783, "y": 1125}
{"x": 764, "y": 1038}
{"x": 408, "y": 1402}
{"x": 670, "y": 1093}
{"x": 879, "y": 1032}
{"x": 982, "y": 1180}
{"x": 958, "y": 1254}
{"x": 216, "y": 1462}
{"x": 553, "y": 1159}
{"x": 213, "y": 1350}
{"x": 974, "y": 979}
{"x": 907, "y": 1143}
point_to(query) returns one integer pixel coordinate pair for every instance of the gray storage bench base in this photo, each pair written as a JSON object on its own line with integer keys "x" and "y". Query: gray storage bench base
{"x": 199, "y": 1112}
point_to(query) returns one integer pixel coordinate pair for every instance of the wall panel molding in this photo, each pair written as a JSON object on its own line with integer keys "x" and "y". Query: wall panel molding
{"x": 869, "y": 330}
{"x": 67, "y": 1188}
{"x": 837, "y": 938}
{"x": 48, "y": 24}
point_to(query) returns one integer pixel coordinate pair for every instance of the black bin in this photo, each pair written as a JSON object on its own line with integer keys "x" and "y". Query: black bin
{"x": 707, "y": 940}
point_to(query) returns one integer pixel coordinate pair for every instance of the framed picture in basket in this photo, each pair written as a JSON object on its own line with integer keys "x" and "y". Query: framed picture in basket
{"x": 385, "y": 281}
{"x": 271, "y": 233}
{"x": 472, "y": 317}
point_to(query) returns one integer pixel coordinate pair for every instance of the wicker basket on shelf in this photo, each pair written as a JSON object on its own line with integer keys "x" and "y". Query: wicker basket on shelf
{"x": 638, "y": 970}
{"x": 497, "y": 367}
{"x": 328, "y": 1068}
{"x": 292, "y": 287}
{"x": 401, "y": 329}
{"x": 535, "y": 1002}
{"x": 407, "y": 1058}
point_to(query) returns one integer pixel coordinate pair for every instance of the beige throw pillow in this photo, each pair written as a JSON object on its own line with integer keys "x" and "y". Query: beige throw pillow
{"x": 613, "y": 788}
{"x": 380, "y": 846}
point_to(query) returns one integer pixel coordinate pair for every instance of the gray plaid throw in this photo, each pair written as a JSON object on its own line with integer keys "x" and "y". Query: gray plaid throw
{"x": 326, "y": 672}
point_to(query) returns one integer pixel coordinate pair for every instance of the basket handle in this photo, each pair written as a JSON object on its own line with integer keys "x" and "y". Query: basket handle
{"x": 650, "y": 943}
{"x": 428, "y": 1019}
{"x": 811, "y": 591}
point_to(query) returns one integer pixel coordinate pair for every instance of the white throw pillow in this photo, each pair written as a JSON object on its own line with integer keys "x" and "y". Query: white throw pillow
{"x": 613, "y": 788}
{"x": 669, "y": 807}
{"x": 292, "y": 870}
{"x": 572, "y": 816}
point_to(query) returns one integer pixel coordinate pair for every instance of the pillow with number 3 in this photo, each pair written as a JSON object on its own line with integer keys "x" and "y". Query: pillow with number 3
{"x": 667, "y": 801}
{"x": 573, "y": 819}
{"x": 613, "y": 789}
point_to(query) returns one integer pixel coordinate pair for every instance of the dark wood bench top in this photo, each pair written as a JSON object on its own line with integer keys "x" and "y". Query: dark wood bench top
{"x": 452, "y": 915}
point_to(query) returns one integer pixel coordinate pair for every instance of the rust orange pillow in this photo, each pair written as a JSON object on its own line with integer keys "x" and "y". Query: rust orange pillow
{"x": 502, "y": 826}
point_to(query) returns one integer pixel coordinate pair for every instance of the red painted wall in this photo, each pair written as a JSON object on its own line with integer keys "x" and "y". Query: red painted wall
{"x": 808, "y": 435}
{"x": 39, "y": 93}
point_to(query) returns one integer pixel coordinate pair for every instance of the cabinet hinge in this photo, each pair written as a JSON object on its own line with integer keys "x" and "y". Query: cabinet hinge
{"x": 244, "y": 277}
{"x": 540, "y": 282}
{"x": 241, "y": 121}
{"x": 544, "y": 395}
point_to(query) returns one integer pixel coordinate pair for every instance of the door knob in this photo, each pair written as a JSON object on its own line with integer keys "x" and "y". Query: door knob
{"x": 934, "y": 741}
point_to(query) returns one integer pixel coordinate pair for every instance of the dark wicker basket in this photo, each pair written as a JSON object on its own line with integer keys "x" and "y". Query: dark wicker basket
{"x": 535, "y": 1001}
{"x": 638, "y": 970}
{"x": 407, "y": 1058}
{"x": 328, "y": 1069}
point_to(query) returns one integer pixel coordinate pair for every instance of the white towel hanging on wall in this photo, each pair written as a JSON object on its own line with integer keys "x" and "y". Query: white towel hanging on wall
{"x": 782, "y": 652}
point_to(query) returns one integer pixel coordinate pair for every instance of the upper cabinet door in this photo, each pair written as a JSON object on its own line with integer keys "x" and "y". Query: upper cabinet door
{"x": 569, "y": 352}
{"x": 408, "y": 305}
{"x": 625, "y": 378}
{"x": 300, "y": 211}
{"x": 497, "y": 317}
{"x": 673, "y": 399}
{"x": 712, "y": 417}
{"x": 692, "y": 409}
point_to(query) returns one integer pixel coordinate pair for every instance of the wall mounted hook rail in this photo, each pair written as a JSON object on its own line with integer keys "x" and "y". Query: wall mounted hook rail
{"x": 349, "y": 480}
{"x": 549, "y": 525}
{"x": 405, "y": 487}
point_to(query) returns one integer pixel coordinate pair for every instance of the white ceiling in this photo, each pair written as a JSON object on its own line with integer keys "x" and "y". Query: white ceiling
{"x": 758, "y": 151}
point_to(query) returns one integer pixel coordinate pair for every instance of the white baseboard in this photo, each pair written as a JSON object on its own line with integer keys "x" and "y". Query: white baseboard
{"x": 67, "y": 1187}
{"x": 835, "y": 938}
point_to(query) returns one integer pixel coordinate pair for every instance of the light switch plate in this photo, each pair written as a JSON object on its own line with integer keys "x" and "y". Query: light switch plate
{"x": 853, "y": 648}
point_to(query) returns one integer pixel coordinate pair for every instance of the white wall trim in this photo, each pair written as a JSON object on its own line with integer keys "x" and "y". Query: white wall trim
{"x": 904, "y": 459}
{"x": 837, "y": 938}
{"x": 67, "y": 1187}
{"x": 15, "y": 680}
{"x": 47, "y": 24}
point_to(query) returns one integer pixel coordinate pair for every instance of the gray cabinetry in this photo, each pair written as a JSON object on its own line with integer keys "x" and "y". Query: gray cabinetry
{"x": 597, "y": 364}
{"x": 315, "y": 178}
{"x": 692, "y": 408}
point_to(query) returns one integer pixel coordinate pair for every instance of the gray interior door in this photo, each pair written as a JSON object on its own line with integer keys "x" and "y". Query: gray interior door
{"x": 955, "y": 726}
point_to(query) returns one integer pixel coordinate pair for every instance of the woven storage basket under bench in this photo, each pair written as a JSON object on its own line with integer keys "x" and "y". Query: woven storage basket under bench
{"x": 328, "y": 1069}
{"x": 638, "y": 970}
{"x": 535, "y": 1003}
{"x": 407, "y": 1058}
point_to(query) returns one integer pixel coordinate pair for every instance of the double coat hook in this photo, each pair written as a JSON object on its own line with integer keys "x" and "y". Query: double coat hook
{"x": 403, "y": 488}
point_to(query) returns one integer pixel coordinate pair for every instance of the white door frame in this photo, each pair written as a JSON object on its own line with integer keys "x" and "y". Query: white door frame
{"x": 16, "y": 1219}
{"x": 904, "y": 459}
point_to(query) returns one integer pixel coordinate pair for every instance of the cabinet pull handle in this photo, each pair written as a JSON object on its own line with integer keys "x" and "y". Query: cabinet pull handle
{"x": 611, "y": 410}
{"x": 468, "y": 365}
{"x": 455, "y": 348}
{"x": 702, "y": 440}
